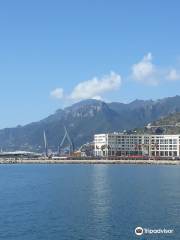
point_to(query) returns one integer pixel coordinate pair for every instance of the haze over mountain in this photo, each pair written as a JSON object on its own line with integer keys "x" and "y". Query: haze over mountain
{"x": 84, "y": 119}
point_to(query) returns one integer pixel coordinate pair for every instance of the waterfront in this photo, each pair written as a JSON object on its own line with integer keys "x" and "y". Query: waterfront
{"x": 90, "y": 161}
{"x": 87, "y": 202}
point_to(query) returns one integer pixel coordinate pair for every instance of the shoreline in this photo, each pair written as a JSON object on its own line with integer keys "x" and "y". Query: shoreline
{"x": 53, "y": 161}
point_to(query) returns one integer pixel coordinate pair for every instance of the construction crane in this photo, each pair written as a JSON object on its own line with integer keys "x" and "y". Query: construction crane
{"x": 45, "y": 144}
{"x": 71, "y": 145}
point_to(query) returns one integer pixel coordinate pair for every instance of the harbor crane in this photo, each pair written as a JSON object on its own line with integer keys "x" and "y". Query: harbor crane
{"x": 45, "y": 144}
{"x": 70, "y": 143}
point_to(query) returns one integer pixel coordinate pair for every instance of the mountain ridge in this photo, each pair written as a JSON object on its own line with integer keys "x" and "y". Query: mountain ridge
{"x": 85, "y": 118}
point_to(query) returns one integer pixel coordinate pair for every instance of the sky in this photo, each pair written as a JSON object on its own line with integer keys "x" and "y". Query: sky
{"x": 54, "y": 53}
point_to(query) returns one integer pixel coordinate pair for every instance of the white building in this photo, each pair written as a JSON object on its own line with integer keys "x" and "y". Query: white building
{"x": 120, "y": 144}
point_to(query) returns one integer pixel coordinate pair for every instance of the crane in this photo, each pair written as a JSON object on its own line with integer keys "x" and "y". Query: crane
{"x": 45, "y": 144}
{"x": 71, "y": 145}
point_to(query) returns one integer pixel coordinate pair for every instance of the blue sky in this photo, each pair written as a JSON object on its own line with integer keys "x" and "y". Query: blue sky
{"x": 54, "y": 53}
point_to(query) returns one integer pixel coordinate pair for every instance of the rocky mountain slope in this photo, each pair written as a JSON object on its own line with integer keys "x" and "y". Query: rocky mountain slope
{"x": 167, "y": 125}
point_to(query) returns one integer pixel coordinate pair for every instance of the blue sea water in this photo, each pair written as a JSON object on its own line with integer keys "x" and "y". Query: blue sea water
{"x": 88, "y": 202}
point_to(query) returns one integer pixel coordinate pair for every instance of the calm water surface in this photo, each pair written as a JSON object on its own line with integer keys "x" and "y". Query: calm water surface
{"x": 88, "y": 202}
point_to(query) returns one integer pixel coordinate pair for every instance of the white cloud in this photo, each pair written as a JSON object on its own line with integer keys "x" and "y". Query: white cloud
{"x": 97, "y": 98}
{"x": 145, "y": 71}
{"x": 95, "y": 87}
{"x": 57, "y": 93}
{"x": 173, "y": 75}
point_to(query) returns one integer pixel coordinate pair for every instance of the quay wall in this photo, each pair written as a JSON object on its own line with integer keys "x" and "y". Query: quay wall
{"x": 64, "y": 161}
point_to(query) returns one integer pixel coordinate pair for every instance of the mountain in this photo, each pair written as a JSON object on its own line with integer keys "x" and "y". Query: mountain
{"x": 84, "y": 119}
{"x": 169, "y": 125}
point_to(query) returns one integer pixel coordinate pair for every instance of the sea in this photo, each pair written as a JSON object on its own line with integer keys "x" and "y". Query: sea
{"x": 89, "y": 202}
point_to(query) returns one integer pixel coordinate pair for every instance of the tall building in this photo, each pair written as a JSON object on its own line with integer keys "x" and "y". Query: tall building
{"x": 120, "y": 144}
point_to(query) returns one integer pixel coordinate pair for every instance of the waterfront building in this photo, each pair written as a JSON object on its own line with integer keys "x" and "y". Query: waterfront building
{"x": 120, "y": 144}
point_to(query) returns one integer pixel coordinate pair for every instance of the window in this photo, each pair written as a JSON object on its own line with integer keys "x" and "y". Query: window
{"x": 174, "y": 153}
{"x": 162, "y": 141}
{"x": 161, "y": 154}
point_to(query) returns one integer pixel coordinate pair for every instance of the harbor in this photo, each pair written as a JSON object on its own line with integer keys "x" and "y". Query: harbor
{"x": 110, "y": 148}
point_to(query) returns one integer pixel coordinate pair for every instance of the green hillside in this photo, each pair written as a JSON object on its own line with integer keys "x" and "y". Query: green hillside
{"x": 166, "y": 125}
